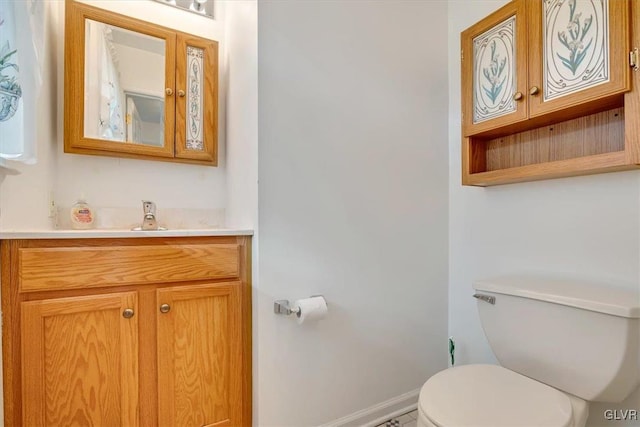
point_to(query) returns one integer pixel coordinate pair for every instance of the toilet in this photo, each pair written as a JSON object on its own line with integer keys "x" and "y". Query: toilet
{"x": 561, "y": 344}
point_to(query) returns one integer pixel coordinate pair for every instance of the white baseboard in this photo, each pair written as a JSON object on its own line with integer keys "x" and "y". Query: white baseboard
{"x": 376, "y": 414}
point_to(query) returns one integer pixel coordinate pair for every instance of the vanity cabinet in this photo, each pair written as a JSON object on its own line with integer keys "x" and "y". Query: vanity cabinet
{"x": 548, "y": 91}
{"x": 136, "y": 89}
{"x": 130, "y": 332}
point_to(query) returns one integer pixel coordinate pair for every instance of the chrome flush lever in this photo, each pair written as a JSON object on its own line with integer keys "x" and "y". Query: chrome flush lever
{"x": 485, "y": 298}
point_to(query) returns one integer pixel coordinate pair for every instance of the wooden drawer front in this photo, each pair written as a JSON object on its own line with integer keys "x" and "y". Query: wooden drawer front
{"x": 90, "y": 267}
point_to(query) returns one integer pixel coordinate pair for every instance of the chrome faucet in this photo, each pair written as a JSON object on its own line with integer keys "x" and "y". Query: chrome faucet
{"x": 149, "y": 221}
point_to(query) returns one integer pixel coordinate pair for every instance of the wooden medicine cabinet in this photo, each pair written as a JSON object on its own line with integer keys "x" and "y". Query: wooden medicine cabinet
{"x": 549, "y": 90}
{"x": 136, "y": 89}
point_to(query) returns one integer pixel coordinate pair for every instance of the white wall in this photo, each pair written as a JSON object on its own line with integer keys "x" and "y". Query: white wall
{"x": 241, "y": 93}
{"x": 353, "y": 204}
{"x": 581, "y": 227}
{"x": 141, "y": 71}
{"x": 24, "y": 198}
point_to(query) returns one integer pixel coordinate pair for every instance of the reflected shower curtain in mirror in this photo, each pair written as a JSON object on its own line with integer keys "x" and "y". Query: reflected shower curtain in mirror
{"x": 22, "y": 26}
{"x": 105, "y": 112}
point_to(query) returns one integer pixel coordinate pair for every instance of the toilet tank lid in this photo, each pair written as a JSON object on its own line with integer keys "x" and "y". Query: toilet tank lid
{"x": 586, "y": 295}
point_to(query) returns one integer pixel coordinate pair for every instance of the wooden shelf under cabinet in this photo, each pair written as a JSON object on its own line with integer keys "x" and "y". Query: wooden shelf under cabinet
{"x": 589, "y": 144}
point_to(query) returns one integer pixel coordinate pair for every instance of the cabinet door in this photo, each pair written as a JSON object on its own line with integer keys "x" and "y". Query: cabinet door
{"x": 199, "y": 355}
{"x": 80, "y": 361}
{"x": 197, "y": 101}
{"x": 119, "y": 81}
{"x": 494, "y": 70}
{"x": 578, "y": 53}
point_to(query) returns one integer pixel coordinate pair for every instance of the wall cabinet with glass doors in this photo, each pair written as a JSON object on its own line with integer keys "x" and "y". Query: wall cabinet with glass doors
{"x": 547, "y": 90}
{"x": 136, "y": 89}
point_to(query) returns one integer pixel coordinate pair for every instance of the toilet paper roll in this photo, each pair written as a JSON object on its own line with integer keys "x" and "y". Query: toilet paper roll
{"x": 314, "y": 308}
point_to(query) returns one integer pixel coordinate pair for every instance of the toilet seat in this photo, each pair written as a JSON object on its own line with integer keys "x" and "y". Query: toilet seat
{"x": 492, "y": 396}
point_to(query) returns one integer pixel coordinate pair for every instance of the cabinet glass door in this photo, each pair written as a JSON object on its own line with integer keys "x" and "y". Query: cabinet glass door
{"x": 494, "y": 70}
{"x": 579, "y": 50}
{"x": 119, "y": 80}
{"x": 197, "y": 101}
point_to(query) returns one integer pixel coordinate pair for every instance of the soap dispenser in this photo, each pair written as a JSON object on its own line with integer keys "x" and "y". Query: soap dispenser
{"x": 82, "y": 216}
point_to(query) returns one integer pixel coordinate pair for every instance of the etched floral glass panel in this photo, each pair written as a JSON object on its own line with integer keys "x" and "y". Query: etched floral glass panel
{"x": 576, "y": 40}
{"x": 195, "y": 84}
{"x": 494, "y": 72}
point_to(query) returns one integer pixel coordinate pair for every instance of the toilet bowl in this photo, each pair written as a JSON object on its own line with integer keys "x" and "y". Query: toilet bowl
{"x": 560, "y": 344}
{"x": 492, "y": 396}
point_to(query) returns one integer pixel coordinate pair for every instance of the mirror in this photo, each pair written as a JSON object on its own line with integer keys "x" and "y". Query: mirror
{"x": 144, "y": 118}
{"x": 139, "y": 90}
{"x": 124, "y": 85}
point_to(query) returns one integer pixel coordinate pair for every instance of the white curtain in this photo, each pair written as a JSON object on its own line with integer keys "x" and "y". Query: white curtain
{"x": 111, "y": 95}
{"x": 22, "y": 26}
{"x": 104, "y": 98}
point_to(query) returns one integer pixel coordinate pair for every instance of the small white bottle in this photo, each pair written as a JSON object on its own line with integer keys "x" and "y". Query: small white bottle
{"x": 82, "y": 216}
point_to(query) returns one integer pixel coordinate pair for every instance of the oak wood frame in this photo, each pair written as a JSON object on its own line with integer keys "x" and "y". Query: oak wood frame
{"x": 76, "y": 14}
{"x": 74, "y": 139}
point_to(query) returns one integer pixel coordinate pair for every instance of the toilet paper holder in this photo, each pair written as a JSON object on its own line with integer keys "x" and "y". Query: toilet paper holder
{"x": 283, "y": 307}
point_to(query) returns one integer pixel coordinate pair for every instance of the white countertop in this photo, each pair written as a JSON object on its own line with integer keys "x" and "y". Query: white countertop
{"x": 115, "y": 233}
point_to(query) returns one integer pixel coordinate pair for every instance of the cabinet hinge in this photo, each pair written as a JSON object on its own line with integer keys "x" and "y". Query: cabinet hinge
{"x": 634, "y": 58}
{"x": 461, "y": 55}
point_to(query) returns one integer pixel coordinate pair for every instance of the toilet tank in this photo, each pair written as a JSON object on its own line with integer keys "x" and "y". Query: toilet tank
{"x": 579, "y": 337}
